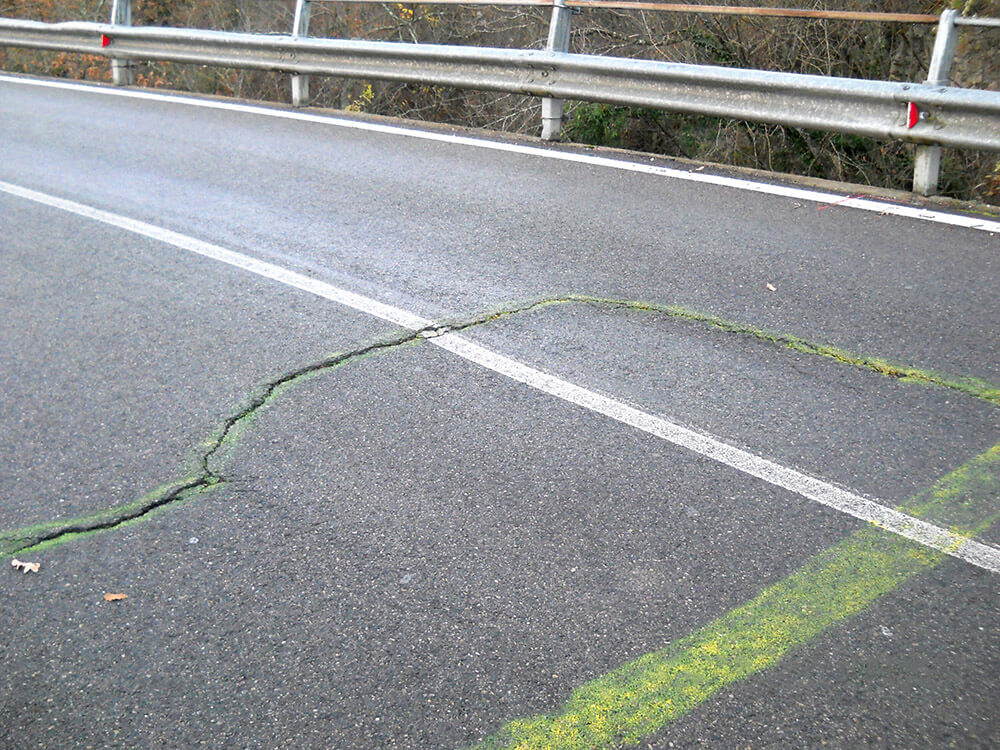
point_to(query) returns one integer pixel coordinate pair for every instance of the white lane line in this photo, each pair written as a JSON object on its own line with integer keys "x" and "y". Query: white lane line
{"x": 863, "y": 204}
{"x": 971, "y": 551}
{"x": 267, "y": 270}
{"x": 928, "y": 534}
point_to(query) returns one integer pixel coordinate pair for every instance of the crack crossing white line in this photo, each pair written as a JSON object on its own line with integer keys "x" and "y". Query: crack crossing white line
{"x": 824, "y": 493}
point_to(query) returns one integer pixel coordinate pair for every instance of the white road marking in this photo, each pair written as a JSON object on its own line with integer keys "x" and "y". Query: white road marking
{"x": 261, "y": 268}
{"x": 809, "y": 487}
{"x": 863, "y": 204}
{"x": 969, "y": 550}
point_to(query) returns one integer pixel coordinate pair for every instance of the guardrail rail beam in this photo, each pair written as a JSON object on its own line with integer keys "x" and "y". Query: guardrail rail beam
{"x": 950, "y": 117}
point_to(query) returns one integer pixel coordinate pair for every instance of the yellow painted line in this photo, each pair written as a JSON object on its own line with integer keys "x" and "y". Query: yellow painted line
{"x": 641, "y": 697}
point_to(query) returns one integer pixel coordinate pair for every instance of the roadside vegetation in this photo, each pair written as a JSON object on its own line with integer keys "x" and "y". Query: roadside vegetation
{"x": 885, "y": 51}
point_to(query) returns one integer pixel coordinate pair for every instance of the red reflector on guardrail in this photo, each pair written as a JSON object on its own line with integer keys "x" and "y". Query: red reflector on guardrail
{"x": 105, "y": 42}
{"x": 912, "y": 115}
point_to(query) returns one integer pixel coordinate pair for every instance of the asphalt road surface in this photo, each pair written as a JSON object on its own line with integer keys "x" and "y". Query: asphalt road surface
{"x": 411, "y": 438}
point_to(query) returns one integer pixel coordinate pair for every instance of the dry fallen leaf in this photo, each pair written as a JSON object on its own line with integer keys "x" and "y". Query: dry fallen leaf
{"x": 772, "y": 288}
{"x": 25, "y": 566}
{"x": 115, "y": 597}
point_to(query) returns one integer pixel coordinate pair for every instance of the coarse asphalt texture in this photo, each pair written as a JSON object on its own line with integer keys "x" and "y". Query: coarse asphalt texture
{"x": 401, "y": 548}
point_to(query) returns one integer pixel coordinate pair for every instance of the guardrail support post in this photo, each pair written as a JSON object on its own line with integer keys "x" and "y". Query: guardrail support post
{"x": 927, "y": 166}
{"x": 300, "y": 27}
{"x": 122, "y": 70}
{"x": 552, "y": 109}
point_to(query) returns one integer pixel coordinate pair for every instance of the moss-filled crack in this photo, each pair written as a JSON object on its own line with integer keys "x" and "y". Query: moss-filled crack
{"x": 205, "y": 475}
{"x": 975, "y": 387}
{"x": 969, "y": 386}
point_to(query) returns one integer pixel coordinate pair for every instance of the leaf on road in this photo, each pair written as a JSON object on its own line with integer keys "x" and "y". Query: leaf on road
{"x": 115, "y": 597}
{"x": 25, "y": 566}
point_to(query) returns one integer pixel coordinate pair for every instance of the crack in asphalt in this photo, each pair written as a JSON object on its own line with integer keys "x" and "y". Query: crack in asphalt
{"x": 206, "y": 477}
{"x": 970, "y": 386}
{"x": 44, "y": 535}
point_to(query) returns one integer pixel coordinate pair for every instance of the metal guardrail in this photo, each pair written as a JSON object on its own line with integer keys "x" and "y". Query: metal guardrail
{"x": 930, "y": 114}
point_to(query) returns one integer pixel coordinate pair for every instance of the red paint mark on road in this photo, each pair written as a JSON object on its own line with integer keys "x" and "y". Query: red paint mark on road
{"x": 842, "y": 200}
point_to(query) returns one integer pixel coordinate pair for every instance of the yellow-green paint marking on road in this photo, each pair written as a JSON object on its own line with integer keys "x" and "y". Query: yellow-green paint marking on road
{"x": 643, "y": 696}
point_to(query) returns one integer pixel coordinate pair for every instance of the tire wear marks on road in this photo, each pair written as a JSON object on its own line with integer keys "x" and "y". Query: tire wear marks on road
{"x": 643, "y": 696}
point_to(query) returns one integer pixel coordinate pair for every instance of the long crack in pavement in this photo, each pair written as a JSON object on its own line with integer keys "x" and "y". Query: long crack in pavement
{"x": 204, "y": 477}
{"x": 41, "y": 536}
